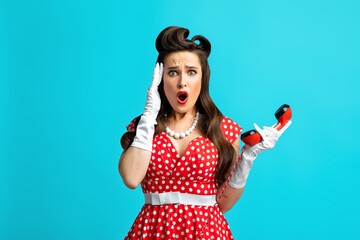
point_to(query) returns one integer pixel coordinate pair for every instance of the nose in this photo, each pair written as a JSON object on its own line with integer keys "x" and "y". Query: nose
{"x": 182, "y": 81}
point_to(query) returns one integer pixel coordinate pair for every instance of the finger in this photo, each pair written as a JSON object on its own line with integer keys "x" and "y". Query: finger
{"x": 161, "y": 71}
{"x": 272, "y": 129}
{"x": 157, "y": 75}
{"x": 282, "y": 130}
{"x": 257, "y": 128}
{"x": 161, "y": 67}
{"x": 260, "y": 131}
{"x": 156, "y": 67}
{"x": 155, "y": 70}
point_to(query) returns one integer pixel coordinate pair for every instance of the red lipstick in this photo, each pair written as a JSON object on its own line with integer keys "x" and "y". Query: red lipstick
{"x": 182, "y": 97}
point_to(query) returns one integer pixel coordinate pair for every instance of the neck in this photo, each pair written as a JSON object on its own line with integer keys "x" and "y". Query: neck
{"x": 176, "y": 116}
{"x": 178, "y": 124}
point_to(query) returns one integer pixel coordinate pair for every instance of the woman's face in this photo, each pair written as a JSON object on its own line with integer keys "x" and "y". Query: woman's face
{"x": 182, "y": 80}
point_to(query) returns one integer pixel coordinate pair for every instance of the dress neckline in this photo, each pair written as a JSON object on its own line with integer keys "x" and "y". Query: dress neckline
{"x": 187, "y": 147}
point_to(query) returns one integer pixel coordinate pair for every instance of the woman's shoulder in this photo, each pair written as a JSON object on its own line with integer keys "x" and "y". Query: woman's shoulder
{"x": 230, "y": 129}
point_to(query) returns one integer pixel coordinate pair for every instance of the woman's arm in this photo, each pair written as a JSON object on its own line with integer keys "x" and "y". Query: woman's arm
{"x": 229, "y": 198}
{"x": 231, "y": 195}
{"x": 133, "y": 165}
{"x": 135, "y": 160}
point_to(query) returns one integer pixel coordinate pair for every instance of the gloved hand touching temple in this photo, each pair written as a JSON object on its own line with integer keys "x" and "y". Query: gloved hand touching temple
{"x": 145, "y": 128}
{"x": 270, "y": 136}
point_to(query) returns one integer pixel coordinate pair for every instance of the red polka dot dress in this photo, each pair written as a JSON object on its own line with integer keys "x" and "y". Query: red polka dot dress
{"x": 192, "y": 174}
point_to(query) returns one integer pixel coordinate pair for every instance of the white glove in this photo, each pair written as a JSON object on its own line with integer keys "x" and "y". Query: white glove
{"x": 145, "y": 128}
{"x": 270, "y": 136}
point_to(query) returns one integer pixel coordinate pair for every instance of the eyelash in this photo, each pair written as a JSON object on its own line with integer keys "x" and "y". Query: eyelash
{"x": 188, "y": 72}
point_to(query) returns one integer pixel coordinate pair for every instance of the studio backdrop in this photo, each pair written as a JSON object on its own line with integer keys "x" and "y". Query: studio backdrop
{"x": 74, "y": 73}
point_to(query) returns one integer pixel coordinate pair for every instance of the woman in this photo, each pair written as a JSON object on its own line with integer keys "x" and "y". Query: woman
{"x": 182, "y": 149}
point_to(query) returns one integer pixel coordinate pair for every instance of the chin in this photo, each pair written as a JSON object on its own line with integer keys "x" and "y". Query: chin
{"x": 182, "y": 109}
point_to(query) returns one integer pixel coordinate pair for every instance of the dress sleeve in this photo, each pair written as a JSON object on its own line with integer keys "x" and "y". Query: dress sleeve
{"x": 131, "y": 126}
{"x": 230, "y": 129}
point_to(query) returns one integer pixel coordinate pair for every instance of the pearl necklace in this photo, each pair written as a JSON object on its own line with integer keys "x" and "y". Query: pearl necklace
{"x": 182, "y": 134}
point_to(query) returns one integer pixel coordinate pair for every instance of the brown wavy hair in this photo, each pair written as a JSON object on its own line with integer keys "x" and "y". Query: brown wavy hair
{"x": 174, "y": 39}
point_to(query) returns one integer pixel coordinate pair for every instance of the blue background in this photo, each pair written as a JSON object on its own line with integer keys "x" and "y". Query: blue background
{"x": 74, "y": 73}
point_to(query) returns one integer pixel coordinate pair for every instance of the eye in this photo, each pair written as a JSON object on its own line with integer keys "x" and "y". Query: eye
{"x": 192, "y": 72}
{"x": 173, "y": 73}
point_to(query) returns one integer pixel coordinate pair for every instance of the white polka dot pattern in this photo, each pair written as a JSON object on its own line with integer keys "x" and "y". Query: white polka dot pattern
{"x": 179, "y": 222}
{"x": 131, "y": 126}
{"x": 194, "y": 173}
{"x": 230, "y": 129}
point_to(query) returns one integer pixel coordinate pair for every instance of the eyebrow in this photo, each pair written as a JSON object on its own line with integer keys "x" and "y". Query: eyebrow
{"x": 175, "y": 67}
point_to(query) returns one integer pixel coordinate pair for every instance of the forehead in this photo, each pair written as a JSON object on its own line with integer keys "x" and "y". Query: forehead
{"x": 183, "y": 57}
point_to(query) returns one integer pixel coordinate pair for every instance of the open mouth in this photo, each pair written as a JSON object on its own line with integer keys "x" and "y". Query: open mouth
{"x": 182, "y": 97}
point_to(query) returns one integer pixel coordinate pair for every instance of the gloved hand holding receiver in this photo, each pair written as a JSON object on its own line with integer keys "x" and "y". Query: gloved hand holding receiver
{"x": 283, "y": 115}
{"x": 258, "y": 141}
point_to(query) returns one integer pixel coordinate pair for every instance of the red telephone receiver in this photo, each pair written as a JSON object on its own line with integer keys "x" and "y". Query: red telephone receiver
{"x": 283, "y": 115}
